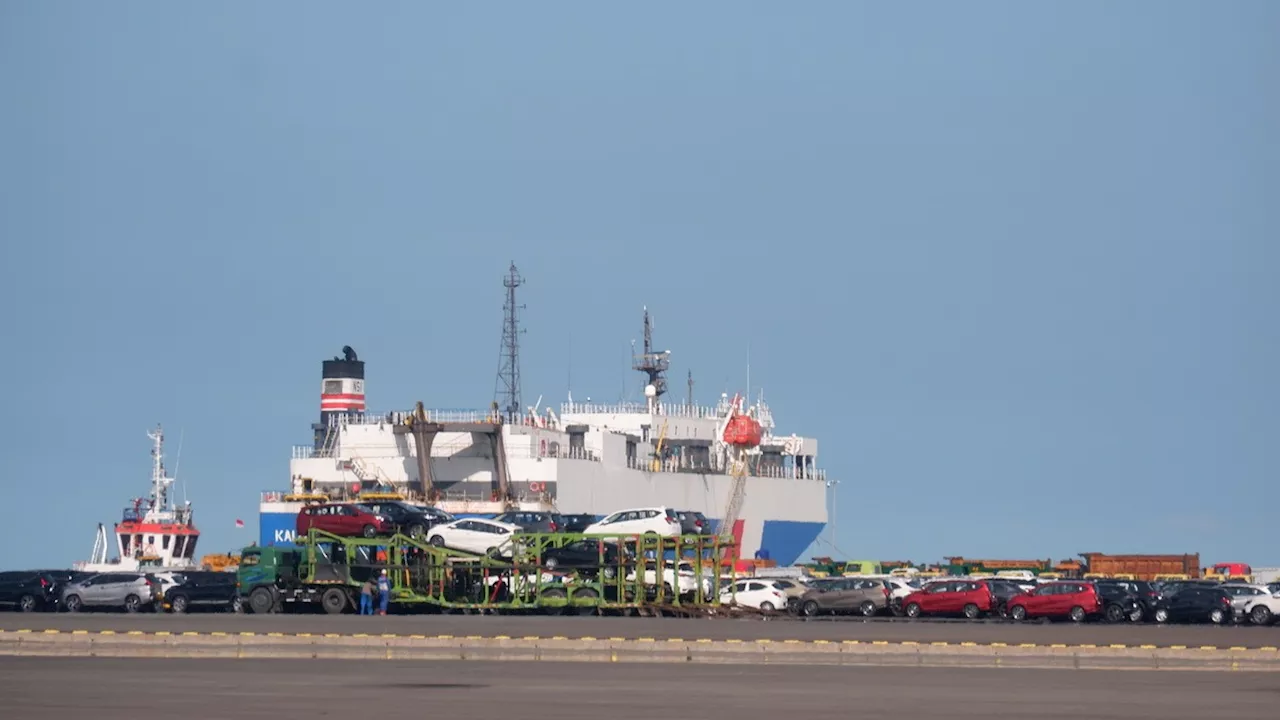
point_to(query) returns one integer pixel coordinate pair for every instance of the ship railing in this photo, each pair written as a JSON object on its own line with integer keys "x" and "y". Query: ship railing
{"x": 675, "y": 465}
{"x": 674, "y": 410}
{"x": 305, "y": 452}
{"x": 341, "y": 493}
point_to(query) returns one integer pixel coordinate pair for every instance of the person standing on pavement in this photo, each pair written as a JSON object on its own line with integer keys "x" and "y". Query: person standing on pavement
{"x": 366, "y": 598}
{"x": 384, "y": 592}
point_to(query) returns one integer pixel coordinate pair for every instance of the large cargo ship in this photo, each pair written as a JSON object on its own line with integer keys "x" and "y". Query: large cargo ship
{"x": 588, "y": 458}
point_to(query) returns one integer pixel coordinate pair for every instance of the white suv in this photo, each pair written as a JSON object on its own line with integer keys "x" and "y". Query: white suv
{"x": 1263, "y": 608}
{"x": 640, "y": 521}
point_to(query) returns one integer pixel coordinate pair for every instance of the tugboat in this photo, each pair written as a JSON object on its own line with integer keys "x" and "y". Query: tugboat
{"x": 153, "y": 535}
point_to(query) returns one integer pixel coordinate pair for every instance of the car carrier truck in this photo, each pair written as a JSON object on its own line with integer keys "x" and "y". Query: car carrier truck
{"x": 536, "y": 572}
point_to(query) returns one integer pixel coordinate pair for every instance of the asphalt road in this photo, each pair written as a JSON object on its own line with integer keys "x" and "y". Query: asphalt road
{"x": 104, "y": 689}
{"x": 660, "y": 628}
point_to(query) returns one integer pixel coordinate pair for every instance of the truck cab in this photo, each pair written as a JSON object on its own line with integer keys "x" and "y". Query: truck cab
{"x": 263, "y": 572}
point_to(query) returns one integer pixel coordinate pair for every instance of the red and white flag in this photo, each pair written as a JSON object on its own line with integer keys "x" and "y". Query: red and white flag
{"x": 239, "y": 523}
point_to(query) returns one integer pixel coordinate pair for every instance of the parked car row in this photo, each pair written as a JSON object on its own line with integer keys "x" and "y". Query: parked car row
{"x": 76, "y": 591}
{"x": 1014, "y": 599}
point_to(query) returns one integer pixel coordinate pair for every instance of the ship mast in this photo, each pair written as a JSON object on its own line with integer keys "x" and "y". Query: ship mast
{"x": 653, "y": 364}
{"x": 159, "y": 481}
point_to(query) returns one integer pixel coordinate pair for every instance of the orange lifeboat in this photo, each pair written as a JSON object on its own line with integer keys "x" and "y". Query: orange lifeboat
{"x": 742, "y": 431}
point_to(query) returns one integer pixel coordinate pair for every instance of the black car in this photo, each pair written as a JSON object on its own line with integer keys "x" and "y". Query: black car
{"x": 203, "y": 590}
{"x": 28, "y": 590}
{"x": 1146, "y": 593}
{"x": 585, "y": 556}
{"x": 1119, "y": 603}
{"x": 1003, "y": 591}
{"x": 693, "y": 522}
{"x": 1195, "y": 604}
{"x": 577, "y": 523}
{"x": 412, "y": 520}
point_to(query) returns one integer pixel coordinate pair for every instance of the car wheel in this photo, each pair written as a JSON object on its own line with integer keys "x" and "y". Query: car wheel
{"x": 416, "y": 531}
{"x": 1078, "y": 614}
{"x": 132, "y": 604}
{"x": 867, "y": 608}
{"x": 1260, "y": 615}
{"x": 971, "y": 611}
{"x": 178, "y": 604}
{"x": 1216, "y": 616}
{"x": 810, "y": 608}
{"x": 73, "y": 603}
{"x": 1162, "y": 615}
{"x": 436, "y": 541}
{"x": 767, "y": 608}
{"x": 369, "y": 531}
{"x": 237, "y": 605}
{"x": 550, "y": 563}
{"x": 913, "y": 610}
{"x": 27, "y": 603}
{"x": 1018, "y": 613}
{"x": 1136, "y": 614}
{"x": 1115, "y": 614}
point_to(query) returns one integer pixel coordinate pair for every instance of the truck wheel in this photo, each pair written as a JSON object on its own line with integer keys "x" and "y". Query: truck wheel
{"x": 261, "y": 602}
{"x": 334, "y": 601}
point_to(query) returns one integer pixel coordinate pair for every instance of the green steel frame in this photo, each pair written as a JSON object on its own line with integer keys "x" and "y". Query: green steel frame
{"x": 516, "y": 577}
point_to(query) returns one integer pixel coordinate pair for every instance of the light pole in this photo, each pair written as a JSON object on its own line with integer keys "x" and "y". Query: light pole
{"x": 831, "y": 505}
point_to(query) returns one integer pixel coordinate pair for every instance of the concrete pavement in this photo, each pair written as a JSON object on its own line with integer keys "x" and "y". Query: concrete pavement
{"x": 40, "y": 688}
{"x": 778, "y": 629}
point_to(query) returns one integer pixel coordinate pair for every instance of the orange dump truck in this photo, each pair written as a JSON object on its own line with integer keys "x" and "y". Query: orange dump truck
{"x": 1142, "y": 567}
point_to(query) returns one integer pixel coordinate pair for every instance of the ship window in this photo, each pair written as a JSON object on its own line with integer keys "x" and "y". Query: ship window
{"x": 177, "y": 546}
{"x": 164, "y": 542}
{"x": 332, "y": 387}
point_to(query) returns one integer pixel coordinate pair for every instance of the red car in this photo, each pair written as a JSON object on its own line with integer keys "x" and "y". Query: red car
{"x": 1075, "y": 600}
{"x": 971, "y": 598}
{"x": 343, "y": 519}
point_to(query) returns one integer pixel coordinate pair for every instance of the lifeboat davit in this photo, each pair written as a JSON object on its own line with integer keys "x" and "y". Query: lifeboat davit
{"x": 743, "y": 431}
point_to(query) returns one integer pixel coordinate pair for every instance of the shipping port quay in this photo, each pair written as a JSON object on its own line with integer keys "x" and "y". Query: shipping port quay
{"x": 778, "y": 642}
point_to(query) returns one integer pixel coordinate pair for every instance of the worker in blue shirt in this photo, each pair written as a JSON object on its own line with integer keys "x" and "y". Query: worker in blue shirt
{"x": 384, "y": 592}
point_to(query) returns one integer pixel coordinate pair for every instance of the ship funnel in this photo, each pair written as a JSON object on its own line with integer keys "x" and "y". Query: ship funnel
{"x": 341, "y": 390}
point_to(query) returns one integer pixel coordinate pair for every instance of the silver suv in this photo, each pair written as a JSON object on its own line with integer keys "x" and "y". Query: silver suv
{"x": 131, "y": 591}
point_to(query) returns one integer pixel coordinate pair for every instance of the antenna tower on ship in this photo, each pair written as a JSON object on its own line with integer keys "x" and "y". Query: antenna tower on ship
{"x": 689, "y": 399}
{"x": 653, "y": 364}
{"x": 506, "y": 390}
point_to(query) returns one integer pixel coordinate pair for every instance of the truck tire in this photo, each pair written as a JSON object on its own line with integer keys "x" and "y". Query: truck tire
{"x": 261, "y": 601}
{"x": 335, "y": 601}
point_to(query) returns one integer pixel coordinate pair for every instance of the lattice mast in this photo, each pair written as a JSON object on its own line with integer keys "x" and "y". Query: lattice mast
{"x": 506, "y": 390}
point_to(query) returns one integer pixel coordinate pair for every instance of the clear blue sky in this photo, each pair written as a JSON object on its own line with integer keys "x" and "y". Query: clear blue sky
{"x": 1013, "y": 263}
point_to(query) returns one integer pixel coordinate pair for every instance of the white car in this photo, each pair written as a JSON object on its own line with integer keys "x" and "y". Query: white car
{"x": 638, "y": 521}
{"x": 1263, "y": 608}
{"x": 761, "y": 594}
{"x": 475, "y": 535}
{"x": 685, "y": 579}
{"x": 1243, "y": 597}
